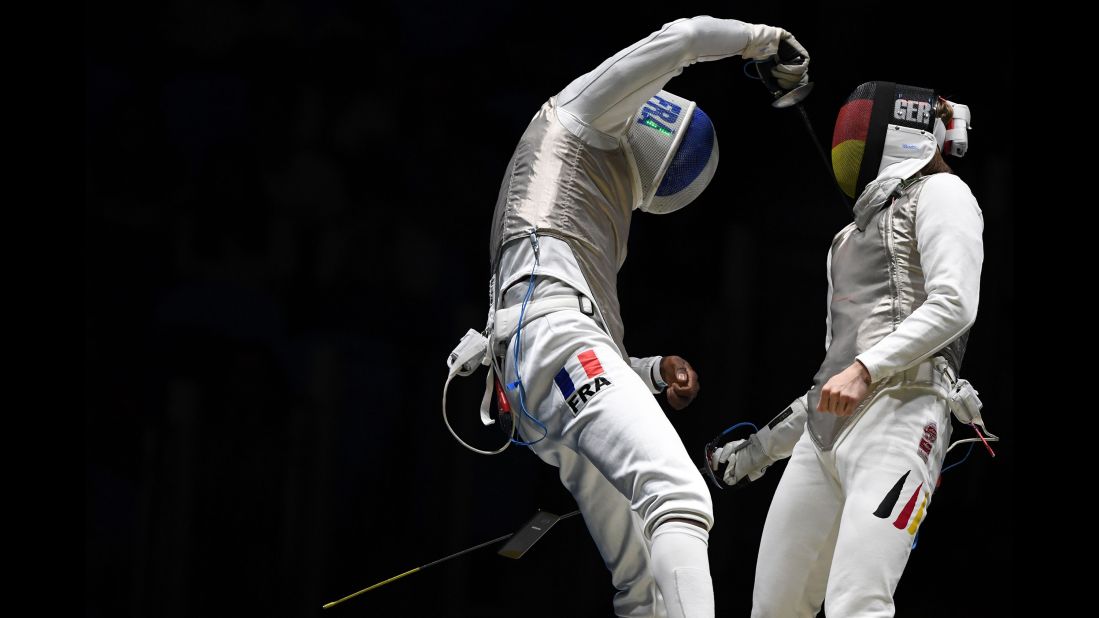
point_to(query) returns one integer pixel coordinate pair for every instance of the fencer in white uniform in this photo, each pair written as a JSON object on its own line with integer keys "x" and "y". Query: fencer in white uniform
{"x": 610, "y": 143}
{"x": 868, "y": 439}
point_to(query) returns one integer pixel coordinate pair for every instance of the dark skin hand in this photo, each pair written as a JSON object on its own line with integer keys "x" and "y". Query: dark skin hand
{"x": 681, "y": 379}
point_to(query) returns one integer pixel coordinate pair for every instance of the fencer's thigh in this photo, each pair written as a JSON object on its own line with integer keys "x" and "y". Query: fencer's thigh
{"x": 798, "y": 538}
{"x": 591, "y": 402}
{"x": 888, "y": 466}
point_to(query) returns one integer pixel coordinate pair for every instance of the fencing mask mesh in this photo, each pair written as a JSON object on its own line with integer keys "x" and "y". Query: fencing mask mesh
{"x": 675, "y": 148}
{"x": 880, "y": 124}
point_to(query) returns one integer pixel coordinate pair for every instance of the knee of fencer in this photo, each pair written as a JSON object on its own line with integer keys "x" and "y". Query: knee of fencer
{"x": 690, "y": 502}
{"x": 696, "y": 524}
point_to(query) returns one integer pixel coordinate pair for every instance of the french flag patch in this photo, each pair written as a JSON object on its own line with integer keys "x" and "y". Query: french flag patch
{"x": 580, "y": 379}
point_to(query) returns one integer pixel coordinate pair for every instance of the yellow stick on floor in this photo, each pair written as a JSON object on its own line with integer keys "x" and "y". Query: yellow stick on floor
{"x": 440, "y": 561}
{"x": 377, "y": 585}
{"x": 422, "y": 567}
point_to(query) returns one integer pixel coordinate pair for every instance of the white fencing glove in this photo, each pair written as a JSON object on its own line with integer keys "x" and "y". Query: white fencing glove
{"x": 750, "y": 458}
{"x": 744, "y": 458}
{"x": 766, "y": 41}
{"x": 796, "y": 72}
{"x": 762, "y": 42}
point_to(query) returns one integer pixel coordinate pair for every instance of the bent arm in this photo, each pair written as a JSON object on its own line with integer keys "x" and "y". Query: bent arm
{"x": 604, "y": 99}
{"x": 948, "y": 234}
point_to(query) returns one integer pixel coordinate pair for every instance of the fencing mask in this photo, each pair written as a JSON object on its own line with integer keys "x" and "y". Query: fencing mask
{"x": 884, "y": 125}
{"x": 675, "y": 148}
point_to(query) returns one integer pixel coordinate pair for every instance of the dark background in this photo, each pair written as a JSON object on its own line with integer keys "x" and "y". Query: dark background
{"x": 287, "y": 212}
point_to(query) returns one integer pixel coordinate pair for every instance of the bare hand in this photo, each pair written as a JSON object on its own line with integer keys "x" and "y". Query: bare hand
{"x": 843, "y": 392}
{"x": 681, "y": 379}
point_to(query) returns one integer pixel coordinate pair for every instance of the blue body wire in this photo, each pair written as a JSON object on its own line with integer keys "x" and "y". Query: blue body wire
{"x": 518, "y": 357}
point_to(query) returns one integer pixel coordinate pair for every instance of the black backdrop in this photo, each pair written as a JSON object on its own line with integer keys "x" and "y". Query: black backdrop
{"x": 287, "y": 209}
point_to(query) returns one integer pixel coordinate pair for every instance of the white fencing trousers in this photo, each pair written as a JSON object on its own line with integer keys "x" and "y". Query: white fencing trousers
{"x": 617, "y": 452}
{"x": 841, "y": 523}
